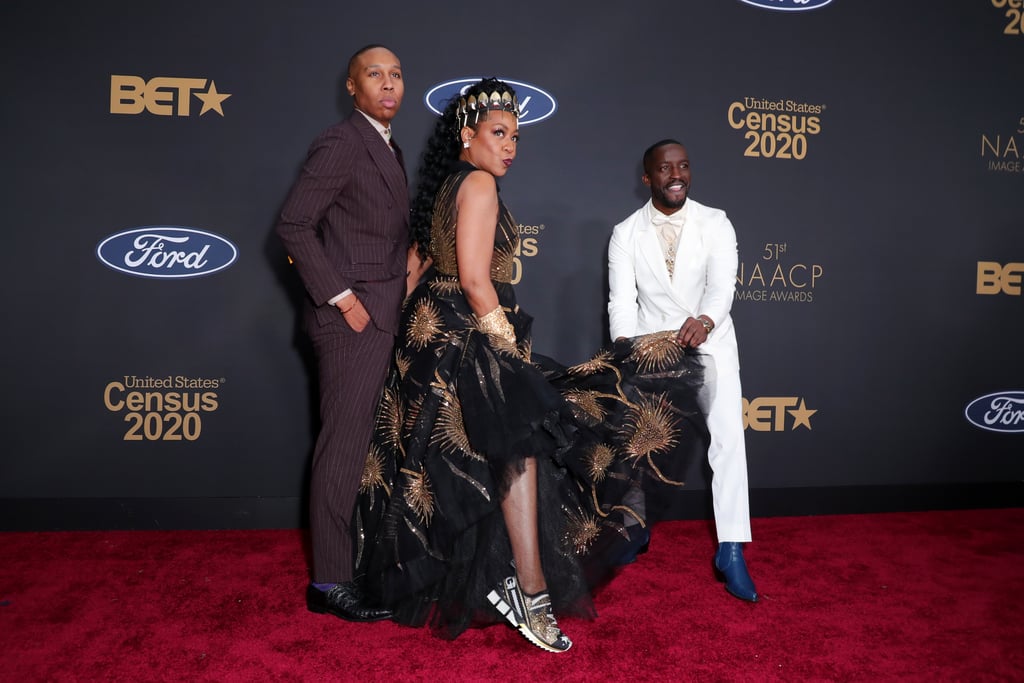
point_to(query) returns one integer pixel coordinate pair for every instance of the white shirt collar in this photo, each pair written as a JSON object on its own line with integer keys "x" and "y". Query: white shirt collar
{"x": 385, "y": 131}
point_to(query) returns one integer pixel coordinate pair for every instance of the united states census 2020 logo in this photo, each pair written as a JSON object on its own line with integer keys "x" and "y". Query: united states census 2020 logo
{"x": 535, "y": 105}
{"x": 788, "y": 5}
{"x": 166, "y": 252}
{"x": 1002, "y": 411}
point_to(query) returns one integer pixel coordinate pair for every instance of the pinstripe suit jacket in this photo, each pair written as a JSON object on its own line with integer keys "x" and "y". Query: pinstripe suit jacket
{"x": 345, "y": 223}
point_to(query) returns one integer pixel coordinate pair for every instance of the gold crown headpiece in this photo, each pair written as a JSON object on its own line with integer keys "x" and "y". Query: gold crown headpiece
{"x": 495, "y": 101}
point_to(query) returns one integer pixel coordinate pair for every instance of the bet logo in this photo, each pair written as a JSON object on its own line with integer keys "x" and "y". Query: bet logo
{"x": 163, "y": 96}
{"x": 776, "y": 413}
{"x": 994, "y": 278}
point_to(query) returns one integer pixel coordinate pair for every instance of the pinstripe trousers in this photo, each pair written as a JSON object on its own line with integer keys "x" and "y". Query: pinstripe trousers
{"x": 352, "y": 368}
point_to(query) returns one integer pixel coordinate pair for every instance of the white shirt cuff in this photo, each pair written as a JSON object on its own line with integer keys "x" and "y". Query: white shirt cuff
{"x": 332, "y": 301}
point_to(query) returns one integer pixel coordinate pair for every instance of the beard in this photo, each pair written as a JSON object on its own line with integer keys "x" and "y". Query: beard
{"x": 662, "y": 198}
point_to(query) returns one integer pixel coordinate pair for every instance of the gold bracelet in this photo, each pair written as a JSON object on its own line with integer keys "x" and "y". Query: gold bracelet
{"x": 496, "y": 324}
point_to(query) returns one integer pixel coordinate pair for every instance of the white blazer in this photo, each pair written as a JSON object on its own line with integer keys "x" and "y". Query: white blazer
{"x": 642, "y": 299}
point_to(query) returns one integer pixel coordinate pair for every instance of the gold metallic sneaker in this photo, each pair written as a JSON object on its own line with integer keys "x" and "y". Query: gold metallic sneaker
{"x": 530, "y": 615}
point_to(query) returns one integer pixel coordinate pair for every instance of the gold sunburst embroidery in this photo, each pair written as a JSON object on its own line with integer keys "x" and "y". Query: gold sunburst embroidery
{"x": 419, "y": 496}
{"x": 449, "y": 429}
{"x": 598, "y": 460}
{"x": 442, "y": 229}
{"x": 402, "y": 363}
{"x": 389, "y": 418}
{"x": 656, "y": 351}
{"x": 526, "y": 349}
{"x": 596, "y": 364}
{"x": 586, "y": 400}
{"x": 424, "y": 324}
{"x": 580, "y": 530}
{"x": 445, "y": 286}
{"x": 373, "y": 472}
{"x": 653, "y": 429}
{"x": 503, "y": 258}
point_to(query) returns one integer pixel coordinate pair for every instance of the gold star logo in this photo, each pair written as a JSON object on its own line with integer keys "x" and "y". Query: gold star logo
{"x": 802, "y": 415}
{"x": 212, "y": 99}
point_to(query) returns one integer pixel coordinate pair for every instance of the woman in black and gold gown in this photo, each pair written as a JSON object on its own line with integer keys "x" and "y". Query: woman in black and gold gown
{"x": 501, "y": 485}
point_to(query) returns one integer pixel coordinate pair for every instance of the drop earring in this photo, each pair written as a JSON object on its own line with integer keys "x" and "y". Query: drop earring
{"x": 465, "y": 144}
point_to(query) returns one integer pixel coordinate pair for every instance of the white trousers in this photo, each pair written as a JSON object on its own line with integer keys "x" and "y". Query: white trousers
{"x": 727, "y": 457}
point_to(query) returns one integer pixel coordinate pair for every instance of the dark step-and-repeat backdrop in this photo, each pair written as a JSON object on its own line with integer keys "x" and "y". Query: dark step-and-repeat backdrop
{"x": 868, "y": 152}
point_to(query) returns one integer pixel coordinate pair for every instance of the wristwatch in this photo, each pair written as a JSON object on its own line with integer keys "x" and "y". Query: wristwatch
{"x": 706, "y": 323}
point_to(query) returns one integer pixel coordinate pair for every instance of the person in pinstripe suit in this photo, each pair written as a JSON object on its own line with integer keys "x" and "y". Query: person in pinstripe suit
{"x": 345, "y": 225}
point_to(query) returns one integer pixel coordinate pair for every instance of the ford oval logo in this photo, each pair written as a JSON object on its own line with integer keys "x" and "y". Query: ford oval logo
{"x": 788, "y": 5}
{"x": 534, "y": 104}
{"x": 999, "y": 412}
{"x": 165, "y": 251}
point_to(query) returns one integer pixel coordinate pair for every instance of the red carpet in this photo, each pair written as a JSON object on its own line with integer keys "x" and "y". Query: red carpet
{"x": 933, "y": 596}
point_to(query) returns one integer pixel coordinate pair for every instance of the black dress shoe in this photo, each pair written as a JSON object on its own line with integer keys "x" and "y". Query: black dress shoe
{"x": 344, "y": 600}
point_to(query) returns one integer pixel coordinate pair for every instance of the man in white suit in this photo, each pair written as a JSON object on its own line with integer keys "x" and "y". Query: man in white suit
{"x": 672, "y": 266}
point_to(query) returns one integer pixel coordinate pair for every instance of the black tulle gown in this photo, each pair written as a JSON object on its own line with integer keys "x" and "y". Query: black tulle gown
{"x": 461, "y": 410}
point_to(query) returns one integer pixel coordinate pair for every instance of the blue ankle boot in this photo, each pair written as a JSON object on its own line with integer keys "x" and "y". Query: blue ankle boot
{"x": 733, "y": 570}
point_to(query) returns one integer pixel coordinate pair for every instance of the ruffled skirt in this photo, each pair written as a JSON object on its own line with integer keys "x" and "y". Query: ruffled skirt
{"x": 613, "y": 439}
